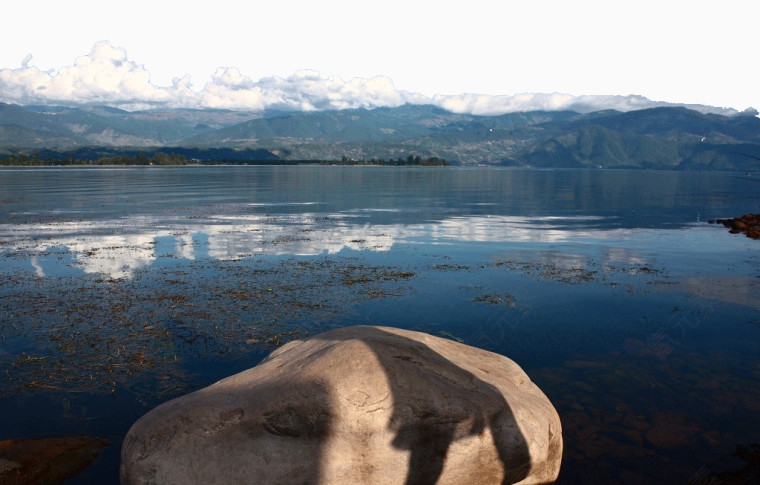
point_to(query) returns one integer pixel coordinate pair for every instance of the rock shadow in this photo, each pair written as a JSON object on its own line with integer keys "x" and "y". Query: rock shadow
{"x": 428, "y": 417}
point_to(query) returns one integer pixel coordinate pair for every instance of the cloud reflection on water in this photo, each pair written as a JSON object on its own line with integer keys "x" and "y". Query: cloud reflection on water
{"x": 120, "y": 247}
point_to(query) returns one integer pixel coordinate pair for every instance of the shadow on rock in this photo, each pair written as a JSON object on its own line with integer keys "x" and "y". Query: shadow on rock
{"x": 436, "y": 402}
{"x": 351, "y": 406}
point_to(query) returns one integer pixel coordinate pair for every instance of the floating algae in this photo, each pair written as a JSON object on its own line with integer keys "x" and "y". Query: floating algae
{"x": 89, "y": 334}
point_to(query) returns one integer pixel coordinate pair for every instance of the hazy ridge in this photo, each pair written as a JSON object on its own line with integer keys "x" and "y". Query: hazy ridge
{"x": 662, "y": 137}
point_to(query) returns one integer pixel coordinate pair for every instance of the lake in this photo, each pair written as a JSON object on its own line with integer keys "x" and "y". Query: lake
{"x": 121, "y": 288}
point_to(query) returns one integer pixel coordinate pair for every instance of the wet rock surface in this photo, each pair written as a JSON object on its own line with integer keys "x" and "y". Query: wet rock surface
{"x": 49, "y": 460}
{"x": 355, "y": 405}
{"x": 748, "y": 224}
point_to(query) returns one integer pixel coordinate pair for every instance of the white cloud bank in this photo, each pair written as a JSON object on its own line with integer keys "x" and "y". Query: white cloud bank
{"x": 106, "y": 76}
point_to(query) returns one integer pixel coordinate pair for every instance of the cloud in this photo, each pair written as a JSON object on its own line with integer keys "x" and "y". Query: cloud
{"x": 483, "y": 104}
{"x": 106, "y": 76}
{"x": 304, "y": 90}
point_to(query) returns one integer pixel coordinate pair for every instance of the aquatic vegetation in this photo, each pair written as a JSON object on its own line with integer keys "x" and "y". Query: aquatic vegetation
{"x": 90, "y": 334}
{"x": 578, "y": 268}
{"x": 497, "y": 299}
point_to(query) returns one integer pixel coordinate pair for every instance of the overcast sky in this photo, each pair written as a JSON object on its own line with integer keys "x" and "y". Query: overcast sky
{"x": 690, "y": 52}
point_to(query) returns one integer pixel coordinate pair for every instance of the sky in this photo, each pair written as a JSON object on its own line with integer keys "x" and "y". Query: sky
{"x": 475, "y": 56}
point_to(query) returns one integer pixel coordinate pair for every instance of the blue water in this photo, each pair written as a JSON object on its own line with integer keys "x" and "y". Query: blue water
{"x": 124, "y": 287}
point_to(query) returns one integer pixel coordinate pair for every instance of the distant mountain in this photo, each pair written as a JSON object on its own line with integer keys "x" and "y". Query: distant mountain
{"x": 663, "y": 137}
{"x": 361, "y": 125}
{"x": 65, "y": 128}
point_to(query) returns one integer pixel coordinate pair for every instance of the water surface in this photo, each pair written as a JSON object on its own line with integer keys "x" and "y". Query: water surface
{"x": 124, "y": 287}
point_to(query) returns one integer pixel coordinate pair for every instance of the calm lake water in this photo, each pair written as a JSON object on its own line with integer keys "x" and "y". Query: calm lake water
{"x": 121, "y": 288}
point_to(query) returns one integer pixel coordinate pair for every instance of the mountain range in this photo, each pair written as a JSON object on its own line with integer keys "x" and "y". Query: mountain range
{"x": 654, "y": 138}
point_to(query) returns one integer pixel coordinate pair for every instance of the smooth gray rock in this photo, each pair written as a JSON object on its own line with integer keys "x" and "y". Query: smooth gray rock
{"x": 356, "y": 405}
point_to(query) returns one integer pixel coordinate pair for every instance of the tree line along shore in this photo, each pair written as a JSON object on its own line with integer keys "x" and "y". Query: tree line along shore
{"x": 164, "y": 159}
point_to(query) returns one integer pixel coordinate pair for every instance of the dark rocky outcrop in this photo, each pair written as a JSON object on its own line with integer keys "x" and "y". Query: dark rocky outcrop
{"x": 46, "y": 460}
{"x": 748, "y": 224}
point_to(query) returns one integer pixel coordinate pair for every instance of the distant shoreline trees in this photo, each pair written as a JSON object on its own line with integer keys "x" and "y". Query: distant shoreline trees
{"x": 165, "y": 159}
{"x": 400, "y": 161}
{"x": 158, "y": 158}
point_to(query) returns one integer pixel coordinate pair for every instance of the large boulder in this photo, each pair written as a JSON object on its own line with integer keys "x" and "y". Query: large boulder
{"x": 355, "y": 405}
